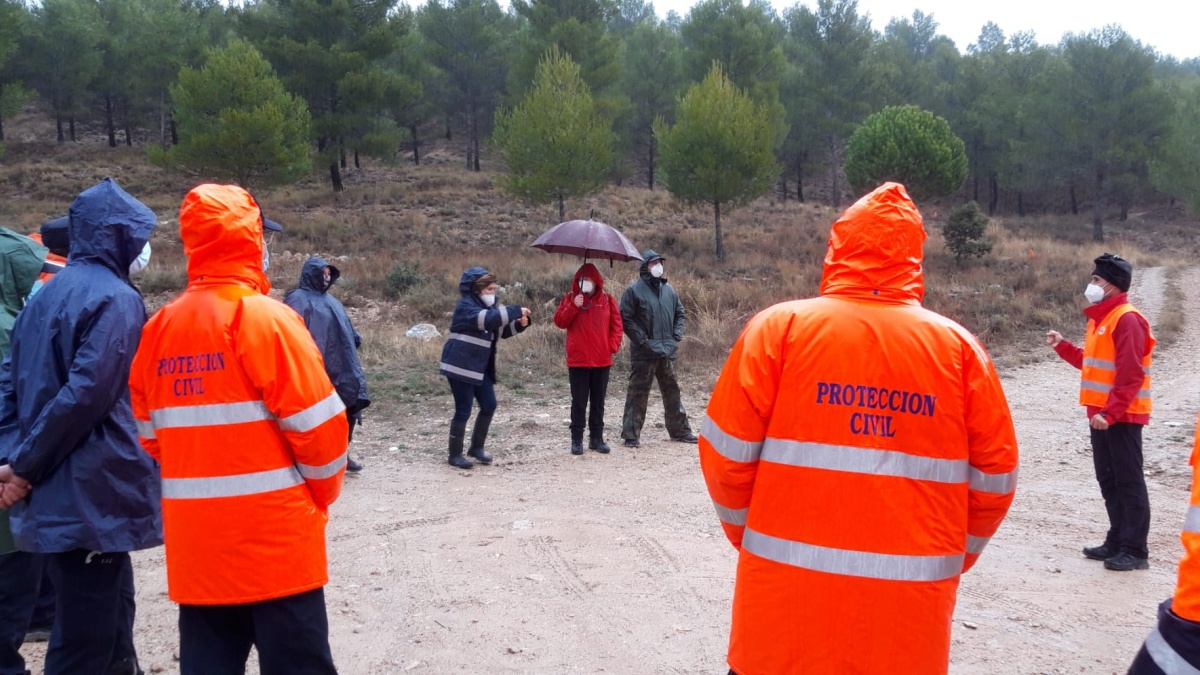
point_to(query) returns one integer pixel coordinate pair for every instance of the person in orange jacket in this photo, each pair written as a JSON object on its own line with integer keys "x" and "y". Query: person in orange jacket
{"x": 593, "y": 324}
{"x": 859, "y": 453}
{"x": 230, "y": 396}
{"x": 1173, "y": 646}
{"x": 1114, "y": 388}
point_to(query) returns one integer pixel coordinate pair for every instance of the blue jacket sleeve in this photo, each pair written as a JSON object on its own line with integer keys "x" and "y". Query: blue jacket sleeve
{"x": 469, "y": 316}
{"x": 9, "y": 428}
{"x": 97, "y": 378}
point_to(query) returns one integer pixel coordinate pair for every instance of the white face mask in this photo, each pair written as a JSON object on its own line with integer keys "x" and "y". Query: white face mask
{"x": 1093, "y": 293}
{"x": 488, "y": 299}
{"x": 139, "y": 263}
{"x": 587, "y": 286}
{"x": 656, "y": 270}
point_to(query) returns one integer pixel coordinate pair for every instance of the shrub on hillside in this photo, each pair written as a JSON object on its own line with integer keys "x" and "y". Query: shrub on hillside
{"x": 403, "y": 277}
{"x": 964, "y": 232}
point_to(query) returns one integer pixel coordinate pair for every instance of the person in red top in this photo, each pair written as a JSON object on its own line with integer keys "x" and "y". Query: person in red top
{"x": 593, "y": 324}
{"x": 1115, "y": 389}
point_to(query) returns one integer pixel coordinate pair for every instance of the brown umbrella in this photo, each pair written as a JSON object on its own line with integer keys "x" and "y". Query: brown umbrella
{"x": 587, "y": 239}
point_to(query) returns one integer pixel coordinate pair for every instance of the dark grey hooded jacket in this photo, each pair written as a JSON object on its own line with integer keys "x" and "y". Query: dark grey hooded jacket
{"x": 652, "y": 315}
{"x": 331, "y": 329}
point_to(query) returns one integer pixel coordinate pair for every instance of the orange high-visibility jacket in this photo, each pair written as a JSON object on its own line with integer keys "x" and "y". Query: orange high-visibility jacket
{"x": 1099, "y": 372}
{"x": 860, "y": 453}
{"x": 1187, "y": 591}
{"x": 231, "y": 397}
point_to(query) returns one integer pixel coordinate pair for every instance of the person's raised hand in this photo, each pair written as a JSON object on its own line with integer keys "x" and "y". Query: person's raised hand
{"x": 579, "y": 299}
{"x": 523, "y": 321}
{"x": 1053, "y": 337}
{"x": 525, "y": 311}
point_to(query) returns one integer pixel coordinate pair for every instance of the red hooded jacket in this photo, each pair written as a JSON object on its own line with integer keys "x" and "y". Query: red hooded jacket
{"x": 594, "y": 329}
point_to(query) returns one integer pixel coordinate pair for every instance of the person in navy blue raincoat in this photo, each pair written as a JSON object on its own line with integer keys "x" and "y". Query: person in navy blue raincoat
{"x": 469, "y": 359}
{"x": 79, "y": 488}
{"x": 335, "y": 336}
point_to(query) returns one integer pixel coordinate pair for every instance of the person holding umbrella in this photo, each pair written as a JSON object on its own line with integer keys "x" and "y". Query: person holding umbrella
{"x": 593, "y": 324}
{"x": 469, "y": 359}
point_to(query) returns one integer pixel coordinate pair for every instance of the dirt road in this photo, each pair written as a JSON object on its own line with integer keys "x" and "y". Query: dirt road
{"x": 549, "y": 563}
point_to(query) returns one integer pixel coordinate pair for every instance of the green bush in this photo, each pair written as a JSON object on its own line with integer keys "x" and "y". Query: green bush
{"x": 964, "y": 232}
{"x": 403, "y": 277}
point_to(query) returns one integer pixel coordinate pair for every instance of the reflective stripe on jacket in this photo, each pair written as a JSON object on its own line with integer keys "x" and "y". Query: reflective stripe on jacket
{"x": 860, "y": 454}
{"x": 1099, "y": 372}
{"x": 231, "y": 397}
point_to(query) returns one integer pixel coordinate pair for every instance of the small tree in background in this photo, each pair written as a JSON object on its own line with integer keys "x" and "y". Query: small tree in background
{"x": 555, "y": 143}
{"x": 237, "y": 122}
{"x": 720, "y": 150}
{"x": 964, "y": 232}
{"x": 907, "y": 145}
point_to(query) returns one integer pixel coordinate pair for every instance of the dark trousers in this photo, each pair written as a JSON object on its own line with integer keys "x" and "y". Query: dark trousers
{"x": 93, "y": 627}
{"x": 642, "y": 376}
{"x": 466, "y": 393}
{"x": 291, "y": 634}
{"x": 1117, "y": 453}
{"x": 20, "y": 576}
{"x": 588, "y": 384}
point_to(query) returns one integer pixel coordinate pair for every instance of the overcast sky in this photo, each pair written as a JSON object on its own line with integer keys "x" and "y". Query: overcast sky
{"x": 1169, "y": 26}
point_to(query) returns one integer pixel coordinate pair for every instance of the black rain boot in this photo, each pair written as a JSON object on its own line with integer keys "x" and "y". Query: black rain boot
{"x": 577, "y": 443}
{"x": 597, "y": 443}
{"x": 458, "y": 432}
{"x": 479, "y": 437}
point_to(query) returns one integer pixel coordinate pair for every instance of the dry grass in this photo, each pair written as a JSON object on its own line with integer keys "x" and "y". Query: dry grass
{"x": 439, "y": 220}
{"x": 1171, "y": 316}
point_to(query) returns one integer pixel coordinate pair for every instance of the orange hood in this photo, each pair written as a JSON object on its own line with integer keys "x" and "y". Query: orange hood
{"x": 875, "y": 249}
{"x": 222, "y": 231}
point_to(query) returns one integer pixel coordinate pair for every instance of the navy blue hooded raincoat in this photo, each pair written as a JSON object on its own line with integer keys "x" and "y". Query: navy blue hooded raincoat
{"x": 469, "y": 353}
{"x": 331, "y": 329}
{"x": 66, "y": 425}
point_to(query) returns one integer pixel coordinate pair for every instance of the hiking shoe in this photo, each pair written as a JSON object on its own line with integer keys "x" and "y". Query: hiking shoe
{"x": 576, "y": 447}
{"x": 1125, "y": 562}
{"x": 1101, "y": 552}
{"x": 686, "y": 438}
{"x": 353, "y": 466}
{"x": 632, "y": 443}
{"x": 599, "y": 446}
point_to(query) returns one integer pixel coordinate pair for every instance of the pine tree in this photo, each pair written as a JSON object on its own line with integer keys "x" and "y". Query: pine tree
{"x": 556, "y": 144}
{"x": 719, "y": 151}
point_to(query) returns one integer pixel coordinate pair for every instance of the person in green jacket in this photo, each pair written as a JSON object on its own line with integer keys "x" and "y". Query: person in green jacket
{"x": 652, "y": 317}
{"x": 21, "y": 260}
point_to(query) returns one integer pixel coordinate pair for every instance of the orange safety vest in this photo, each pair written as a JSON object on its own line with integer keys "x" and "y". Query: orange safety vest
{"x": 1099, "y": 372}
{"x": 50, "y": 257}
{"x": 231, "y": 397}
{"x": 860, "y": 454}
